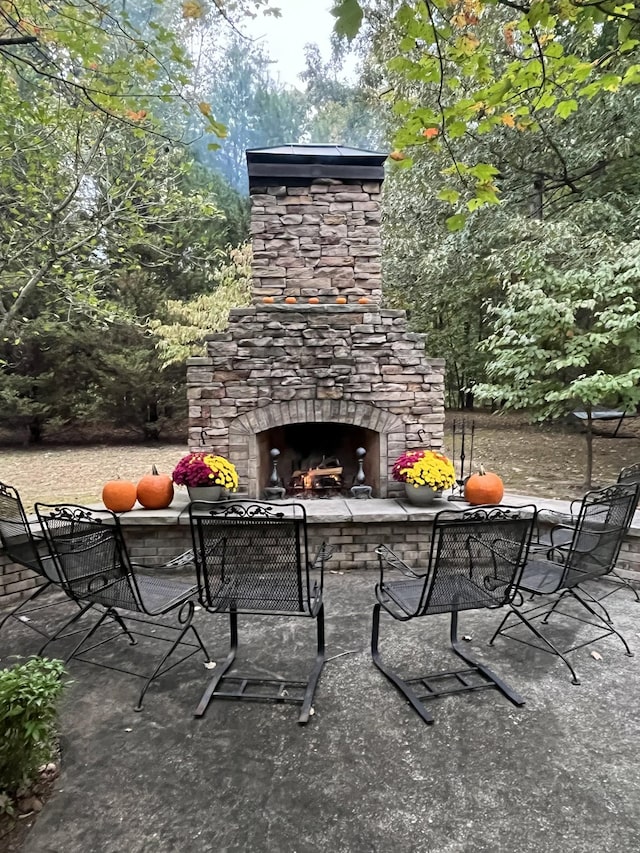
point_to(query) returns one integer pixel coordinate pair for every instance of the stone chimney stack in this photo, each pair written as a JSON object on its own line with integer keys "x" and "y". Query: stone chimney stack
{"x": 315, "y": 368}
{"x": 315, "y": 222}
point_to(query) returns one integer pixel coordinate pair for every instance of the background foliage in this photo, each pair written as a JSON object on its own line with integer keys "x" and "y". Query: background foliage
{"x": 511, "y": 217}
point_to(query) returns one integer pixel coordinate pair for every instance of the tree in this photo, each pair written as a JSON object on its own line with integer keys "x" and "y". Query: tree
{"x": 567, "y": 336}
{"x": 552, "y": 58}
{"x": 183, "y": 331}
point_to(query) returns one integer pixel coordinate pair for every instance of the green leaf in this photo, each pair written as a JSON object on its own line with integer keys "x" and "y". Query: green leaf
{"x": 449, "y": 194}
{"x": 456, "y": 222}
{"x": 456, "y": 129}
{"x": 565, "y": 108}
{"x": 348, "y": 15}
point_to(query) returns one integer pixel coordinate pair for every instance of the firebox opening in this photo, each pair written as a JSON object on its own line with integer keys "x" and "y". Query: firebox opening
{"x": 319, "y": 459}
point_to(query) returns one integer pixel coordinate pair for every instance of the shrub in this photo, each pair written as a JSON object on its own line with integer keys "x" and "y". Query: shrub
{"x": 29, "y": 695}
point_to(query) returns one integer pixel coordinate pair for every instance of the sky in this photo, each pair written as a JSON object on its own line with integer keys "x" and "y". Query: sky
{"x": 284, "y": 38}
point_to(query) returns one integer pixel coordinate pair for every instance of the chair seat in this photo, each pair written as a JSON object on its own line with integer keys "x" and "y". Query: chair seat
{"x": 541, "y": 576}
{"x": 160, "y": 594}
{"x": 459, "y": 593}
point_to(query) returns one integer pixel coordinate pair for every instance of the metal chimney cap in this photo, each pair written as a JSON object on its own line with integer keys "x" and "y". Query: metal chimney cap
{"x": 302, "y": 164}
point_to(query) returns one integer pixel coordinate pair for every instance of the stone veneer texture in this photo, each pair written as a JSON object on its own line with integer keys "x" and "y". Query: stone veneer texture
{"x": 320, "y": 240}
{"x": 283, "y": 364}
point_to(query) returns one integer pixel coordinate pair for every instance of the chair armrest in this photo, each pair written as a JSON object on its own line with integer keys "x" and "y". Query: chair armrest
{"x": 185, "y": 559}
{"x": 493, "y": 582}
{"x": 387, "y": 557}
{"x": 555, "y": 519}
{"x": 324, "y": 553}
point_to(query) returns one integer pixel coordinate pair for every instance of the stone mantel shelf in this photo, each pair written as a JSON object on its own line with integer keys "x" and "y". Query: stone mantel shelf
{"x": 327, "y": 511}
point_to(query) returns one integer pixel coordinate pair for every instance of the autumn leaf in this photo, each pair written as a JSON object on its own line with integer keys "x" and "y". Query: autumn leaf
{"x": 467, "y": 45}
{"x": 397, "y": 155}
{"x": 204, "y": 108}
{"x": 430, "y": 132}
{"x": 508, "y": 120}
{"x": 136, "y": 116}
{"x": 508, "y": 35}
{"x": 192, "y": 9}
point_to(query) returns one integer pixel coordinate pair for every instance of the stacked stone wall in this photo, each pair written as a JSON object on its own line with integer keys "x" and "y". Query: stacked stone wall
{"x": 273, "y": 355}
{"x": 321, "y": 240}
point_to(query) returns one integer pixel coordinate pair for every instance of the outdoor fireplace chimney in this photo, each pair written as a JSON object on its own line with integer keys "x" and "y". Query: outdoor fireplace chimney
{"x": 315, "y": 367}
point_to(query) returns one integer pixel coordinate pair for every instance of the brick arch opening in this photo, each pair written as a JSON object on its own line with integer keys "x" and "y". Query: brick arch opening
{"x": 306, "y": 431}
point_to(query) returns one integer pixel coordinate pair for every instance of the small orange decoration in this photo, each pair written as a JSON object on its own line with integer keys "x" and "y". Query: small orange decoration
{"x": 290, "y": 300}
{"x": 363, "y": 300}
{"x": 483, "y": 488}
{"x": 155, "y": 491}
{"x": 313, "y": 300}
{"x": 268, "y": 299}
{"x": 119, "y": 495}
{"x": 341, "y": 300}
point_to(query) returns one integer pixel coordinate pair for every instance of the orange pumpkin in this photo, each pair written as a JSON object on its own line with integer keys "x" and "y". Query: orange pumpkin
{"x": 155, "y": 491}
{"x": 290, "y": 300}
{"x": 363, "y": 300}
{"x": 267, "y": 299}
{"x": 341, "y": 300}
{"x": 483, "y": 487}
{"x": 313, "y": 300}
{"x": 119, "y": 495}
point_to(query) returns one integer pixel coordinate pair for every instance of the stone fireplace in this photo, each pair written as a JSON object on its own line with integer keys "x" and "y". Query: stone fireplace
{"x": 315, "y": 368}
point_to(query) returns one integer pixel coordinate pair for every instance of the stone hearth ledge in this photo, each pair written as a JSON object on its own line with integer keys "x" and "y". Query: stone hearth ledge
{"x": 336, "y": 509}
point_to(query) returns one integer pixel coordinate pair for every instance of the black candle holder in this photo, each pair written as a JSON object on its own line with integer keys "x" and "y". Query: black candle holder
{"x": 359, "y": 489}
{"x": 275, "y": 490}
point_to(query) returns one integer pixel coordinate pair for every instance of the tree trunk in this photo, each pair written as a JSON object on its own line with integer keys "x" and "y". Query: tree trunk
{"x": 589, "y": 439}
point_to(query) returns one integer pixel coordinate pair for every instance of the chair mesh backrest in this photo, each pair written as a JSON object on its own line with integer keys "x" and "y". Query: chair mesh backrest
{"x": 251, "y": 556}
{"x": 15, "y": 534}
{"x": 476, "y": 558}
{"x": 91, "y": 554}
{"x": 604, "y": 519}
{"x": 631, "y": 475}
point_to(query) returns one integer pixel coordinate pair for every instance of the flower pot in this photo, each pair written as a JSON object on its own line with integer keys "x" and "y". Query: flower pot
{"x": 421, "y": 495}
{"x": 206, "y": 493}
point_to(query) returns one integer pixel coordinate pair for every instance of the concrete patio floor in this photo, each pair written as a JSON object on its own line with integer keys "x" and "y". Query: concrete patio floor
{"x": 366, "y": 775}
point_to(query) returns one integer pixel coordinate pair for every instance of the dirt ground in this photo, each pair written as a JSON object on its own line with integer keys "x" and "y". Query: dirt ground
{"x": 540, "y": 461}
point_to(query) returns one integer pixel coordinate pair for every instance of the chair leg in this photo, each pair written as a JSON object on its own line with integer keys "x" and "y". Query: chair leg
{"x": 186, "y": 621}
{"x": 597, "y": 602}
{"x": 87, "y": 636}
{"x": 224, "y": 666}
{"x": 59, "y": 635}
{"x": 398, "y": 683}
{"x": 553, "y": 649}
{"x": 491, "y": 676}
{"x": 622, "y": 584}
{"x": 37, "y": 592}
{"x": 608, "y": 626}
{"x": 312, "y": 683}
{"x": 117, "y": 618}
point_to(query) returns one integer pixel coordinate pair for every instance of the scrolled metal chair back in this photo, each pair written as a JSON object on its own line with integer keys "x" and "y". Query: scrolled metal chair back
{"x": 603, "y": 521}
{"x": 16, "y": 536}
{"x": 252, "y": 556}
{"x": 90, "y": 553}
{"x": 476, "y": 558}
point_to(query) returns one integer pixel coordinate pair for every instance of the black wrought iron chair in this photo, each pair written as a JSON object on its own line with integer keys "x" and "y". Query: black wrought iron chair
{"x": 252, "y": 558}
{"x": 92, "y": 558}
{"x": 475, "y": 560}
{"x": 569, "y": 557}
{"x": 24, "y": 544}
